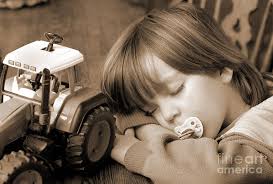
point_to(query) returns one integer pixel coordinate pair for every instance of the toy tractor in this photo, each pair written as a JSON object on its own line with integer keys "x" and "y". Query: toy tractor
{"x": 48, "y": 121}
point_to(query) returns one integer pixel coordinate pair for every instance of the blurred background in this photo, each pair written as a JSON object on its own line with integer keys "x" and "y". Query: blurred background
{"x": 92, "y": 26}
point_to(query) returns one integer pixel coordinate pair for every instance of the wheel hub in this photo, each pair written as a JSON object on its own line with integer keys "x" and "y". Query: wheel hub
{"x": 99, "y": 140}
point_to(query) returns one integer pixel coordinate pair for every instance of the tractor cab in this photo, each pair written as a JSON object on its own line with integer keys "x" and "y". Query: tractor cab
{"x": 29, "y": 61}
{"x": 29, "y": 64}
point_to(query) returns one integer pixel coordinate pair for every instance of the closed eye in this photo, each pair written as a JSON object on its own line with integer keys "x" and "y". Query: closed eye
{"x": 177, "y": 91}
{"x": 150, "y": 113}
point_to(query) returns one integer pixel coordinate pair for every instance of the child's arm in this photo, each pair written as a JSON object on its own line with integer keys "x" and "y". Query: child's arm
{"x": 131, "y": 136}
{"x": 237, "y": 158}
{"x": 121, "y": 145}
{"x": 165, "y": 160}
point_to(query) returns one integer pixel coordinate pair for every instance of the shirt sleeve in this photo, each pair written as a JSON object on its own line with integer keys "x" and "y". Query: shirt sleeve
{"x": 136, "y": 118}
{"x": 235, "y": 159}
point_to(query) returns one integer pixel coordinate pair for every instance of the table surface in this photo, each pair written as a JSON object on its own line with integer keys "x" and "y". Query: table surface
{"x": 90, "y": 26}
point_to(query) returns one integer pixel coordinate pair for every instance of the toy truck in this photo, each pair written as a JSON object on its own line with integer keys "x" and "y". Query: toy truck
{"x": 47, "y": 120}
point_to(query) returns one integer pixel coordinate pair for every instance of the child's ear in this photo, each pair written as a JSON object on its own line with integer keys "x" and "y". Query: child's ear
{"x": 226, "y": 75}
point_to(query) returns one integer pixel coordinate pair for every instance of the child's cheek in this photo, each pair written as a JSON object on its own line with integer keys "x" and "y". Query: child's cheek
{"x": 211, "y": 129}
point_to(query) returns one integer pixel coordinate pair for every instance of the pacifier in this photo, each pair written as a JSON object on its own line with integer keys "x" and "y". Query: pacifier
{"x": 192, "y": 125}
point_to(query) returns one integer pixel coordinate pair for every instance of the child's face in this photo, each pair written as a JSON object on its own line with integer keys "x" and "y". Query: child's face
{"x": 196, "y": 95}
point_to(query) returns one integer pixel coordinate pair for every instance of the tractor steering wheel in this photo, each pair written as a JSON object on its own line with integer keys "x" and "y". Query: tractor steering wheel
{"x": 53, "y": 39}
{"x": 53, "y": 36}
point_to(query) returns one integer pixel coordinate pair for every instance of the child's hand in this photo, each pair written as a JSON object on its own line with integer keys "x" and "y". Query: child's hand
{"x": 147, "y": 132}
{"x": 121, "y": 145}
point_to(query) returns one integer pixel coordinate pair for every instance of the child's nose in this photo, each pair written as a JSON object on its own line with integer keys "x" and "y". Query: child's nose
{"x": 169, "y": 112}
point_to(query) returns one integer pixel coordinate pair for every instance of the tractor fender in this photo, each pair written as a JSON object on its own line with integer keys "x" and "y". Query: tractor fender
{"x": 15, "y": 117}
{"x": 76, "y": 106}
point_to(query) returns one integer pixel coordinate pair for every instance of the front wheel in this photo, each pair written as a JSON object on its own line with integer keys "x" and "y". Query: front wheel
{"x": 19, "y": 167}
{"x": 88, "y": 150}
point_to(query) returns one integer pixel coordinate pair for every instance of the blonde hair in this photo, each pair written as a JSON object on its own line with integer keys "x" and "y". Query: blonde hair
{"x": 186, "y": 38}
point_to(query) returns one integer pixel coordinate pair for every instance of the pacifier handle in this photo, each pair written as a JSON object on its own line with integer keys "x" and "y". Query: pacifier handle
{"x": 191, "y": 123}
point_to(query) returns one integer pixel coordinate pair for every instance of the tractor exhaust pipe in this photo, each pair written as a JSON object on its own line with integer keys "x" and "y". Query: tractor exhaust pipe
{"x": 44, "y": 118}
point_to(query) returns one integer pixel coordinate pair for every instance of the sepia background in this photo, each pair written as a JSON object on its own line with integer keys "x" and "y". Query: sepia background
{"x": 92, "y": 26}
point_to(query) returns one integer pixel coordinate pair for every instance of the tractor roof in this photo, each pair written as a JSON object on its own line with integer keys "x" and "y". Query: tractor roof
{"x": 34, "y": 58}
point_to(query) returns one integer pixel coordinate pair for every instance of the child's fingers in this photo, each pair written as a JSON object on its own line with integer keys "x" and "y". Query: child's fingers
{"x": 121, "y": 145}
{"x": 130, "y": 132}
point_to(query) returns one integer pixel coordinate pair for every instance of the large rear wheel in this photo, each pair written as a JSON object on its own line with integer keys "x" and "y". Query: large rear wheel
{"x": 21, "y": 168}
{"x": 88, "y": 150}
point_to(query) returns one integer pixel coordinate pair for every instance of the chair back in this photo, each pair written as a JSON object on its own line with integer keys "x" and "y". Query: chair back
{"x": 248, "y": 23}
